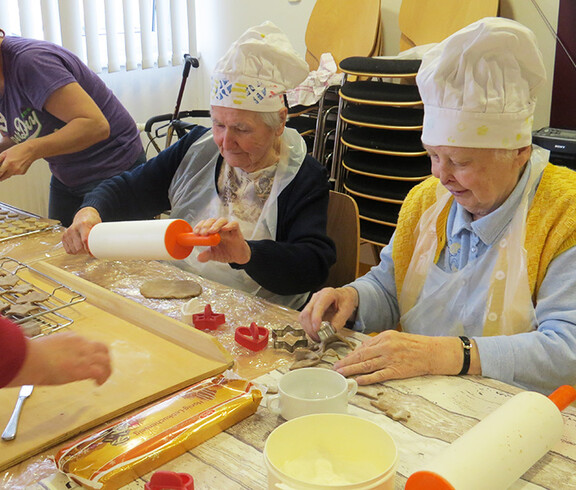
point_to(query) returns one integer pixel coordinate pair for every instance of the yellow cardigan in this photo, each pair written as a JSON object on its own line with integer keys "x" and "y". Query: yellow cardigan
{"x": 551, "y": 224}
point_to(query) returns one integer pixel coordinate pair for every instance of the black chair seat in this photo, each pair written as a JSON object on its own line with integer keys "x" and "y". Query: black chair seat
{"x": 301, "y": 109}
{"x": 302, "y": 124}
{"x": 393, "y": 117}
{"x": 395, "y": 190}
{"x": 380, "y": 67}
{"x": 380, "y": 92}
{"x": 381, "y": 211}
{"x": 383, "y": 140}
{"x": 387, "y": 165}
{"x": 375, "y": 232}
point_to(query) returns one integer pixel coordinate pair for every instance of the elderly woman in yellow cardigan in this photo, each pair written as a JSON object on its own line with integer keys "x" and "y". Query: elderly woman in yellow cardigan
{"x": 479, "y": 276}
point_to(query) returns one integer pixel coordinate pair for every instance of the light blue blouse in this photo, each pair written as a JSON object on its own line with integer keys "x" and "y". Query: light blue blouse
{"x": 540, "y": 360}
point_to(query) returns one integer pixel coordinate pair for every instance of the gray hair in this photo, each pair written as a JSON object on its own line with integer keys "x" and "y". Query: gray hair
{"x": 272, "y": 119}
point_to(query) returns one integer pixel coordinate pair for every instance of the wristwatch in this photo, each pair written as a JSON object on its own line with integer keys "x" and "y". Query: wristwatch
{"x": 467, "y": 345}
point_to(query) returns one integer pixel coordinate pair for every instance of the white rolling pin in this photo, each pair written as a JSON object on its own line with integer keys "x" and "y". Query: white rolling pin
{"x": 500, "y": 448}
{"x": 157, "y": 239}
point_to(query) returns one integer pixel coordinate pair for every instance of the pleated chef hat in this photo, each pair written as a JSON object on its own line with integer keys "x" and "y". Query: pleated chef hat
{"x": 257, "y": 69}
{"x": 478, "y": 86}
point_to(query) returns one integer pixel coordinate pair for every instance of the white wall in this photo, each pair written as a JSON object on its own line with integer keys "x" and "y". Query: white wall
{"x": 220, "y": 22}
{"x": 524, "y": 12}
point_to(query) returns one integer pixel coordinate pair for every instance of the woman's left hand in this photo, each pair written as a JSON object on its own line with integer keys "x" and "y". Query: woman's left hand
{"x": 398, "y": 355}
{"x": 232, "y": 246}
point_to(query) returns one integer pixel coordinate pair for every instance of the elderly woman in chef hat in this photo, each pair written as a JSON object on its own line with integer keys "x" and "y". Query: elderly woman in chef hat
{"x": 248, "y": 178}
{"x": 479, "y": 276}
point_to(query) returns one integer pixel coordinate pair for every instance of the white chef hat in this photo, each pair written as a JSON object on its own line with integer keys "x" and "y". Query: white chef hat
{"x": 257, "y": 69}
{"x": 478, "y": 86}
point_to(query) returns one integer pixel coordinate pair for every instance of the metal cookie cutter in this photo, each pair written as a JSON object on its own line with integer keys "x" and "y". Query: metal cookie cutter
{"x": 289, "y": 338}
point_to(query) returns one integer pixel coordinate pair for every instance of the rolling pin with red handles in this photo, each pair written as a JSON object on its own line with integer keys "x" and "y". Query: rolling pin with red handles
{"x": 156, "y": 239}
{"x": 501, "y": 448}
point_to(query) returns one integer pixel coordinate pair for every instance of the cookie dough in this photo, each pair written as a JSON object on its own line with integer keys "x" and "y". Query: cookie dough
{"x": 31, "y": 328}
{"x": 22, "y": 288}
{"x": 32, "y": 297}
{"x": 8, "y": 280}
{"x": 170, "y": 289}
{"x": 22, "y": 310}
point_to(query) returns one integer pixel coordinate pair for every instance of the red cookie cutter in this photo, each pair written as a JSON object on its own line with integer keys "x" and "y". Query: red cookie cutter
{"x": 254, "y": 337}
{"x": 208, "y": 320}
{"x": 169, "y": 480}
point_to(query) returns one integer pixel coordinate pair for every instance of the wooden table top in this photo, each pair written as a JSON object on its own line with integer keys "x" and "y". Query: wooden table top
{"x": 441, "y": 408}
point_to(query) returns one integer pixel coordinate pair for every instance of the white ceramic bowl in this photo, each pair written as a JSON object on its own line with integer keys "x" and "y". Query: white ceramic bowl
{"x": 329, "y": 450}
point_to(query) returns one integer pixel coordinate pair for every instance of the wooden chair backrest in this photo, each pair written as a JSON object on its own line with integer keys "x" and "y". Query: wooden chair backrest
{"x": 344, "y": 28}
{"x": 431, "y": 21}
{"x": 344, "y": 228}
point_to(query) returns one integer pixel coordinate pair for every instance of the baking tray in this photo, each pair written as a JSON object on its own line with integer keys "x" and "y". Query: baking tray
{"x": 15, "y": 223}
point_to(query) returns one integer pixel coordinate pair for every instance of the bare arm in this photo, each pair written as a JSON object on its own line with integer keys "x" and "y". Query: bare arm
{"x": 85, "y": 126}
{"x": 5, "y": 143}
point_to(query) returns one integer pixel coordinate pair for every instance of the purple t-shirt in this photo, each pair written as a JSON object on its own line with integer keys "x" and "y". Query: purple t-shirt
{"x": 33, "y": 70}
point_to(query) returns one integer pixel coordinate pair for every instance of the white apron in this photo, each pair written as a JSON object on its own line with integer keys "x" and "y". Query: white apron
{"x": 489, "y": 296}
{"x": 194, "y": 197}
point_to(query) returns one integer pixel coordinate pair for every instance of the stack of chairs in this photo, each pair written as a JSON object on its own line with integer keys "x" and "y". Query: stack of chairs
{"x": 343, "y": 30}
{"x": 378, "y": 155}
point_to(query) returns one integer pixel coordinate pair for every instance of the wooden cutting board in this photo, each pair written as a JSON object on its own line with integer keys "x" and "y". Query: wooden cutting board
{"x": 153, "y": 355}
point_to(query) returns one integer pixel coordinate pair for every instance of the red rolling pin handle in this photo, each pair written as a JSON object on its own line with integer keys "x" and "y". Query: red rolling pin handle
{"x": 192, "y": 240}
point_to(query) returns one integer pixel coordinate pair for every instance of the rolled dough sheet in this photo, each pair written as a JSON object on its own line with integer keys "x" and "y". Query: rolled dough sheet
{"x": 170, "y": 288}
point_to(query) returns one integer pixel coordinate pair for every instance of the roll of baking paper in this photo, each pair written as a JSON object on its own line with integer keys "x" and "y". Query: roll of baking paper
{"x": 157, "y": 239}
{"x": 501, "y": 448}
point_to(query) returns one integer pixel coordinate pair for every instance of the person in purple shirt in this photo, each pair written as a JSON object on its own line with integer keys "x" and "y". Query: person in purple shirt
{"x": 53, "y": 106}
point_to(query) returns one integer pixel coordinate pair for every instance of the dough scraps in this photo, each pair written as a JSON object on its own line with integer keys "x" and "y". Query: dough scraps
{"x": 33, "y": 297}
{"x": 398, "y": 414}
{"x": 170, "y": 289}
{"x": 31, "y": 328}
{"x": 22, "y": 288}
{"x": 22, "y": 310}
{"x": 8, "y": 280}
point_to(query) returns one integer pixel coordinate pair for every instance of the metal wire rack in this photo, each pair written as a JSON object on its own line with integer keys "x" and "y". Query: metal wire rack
{"x": 46, "y": 316}
{"x": 16, "y": 223}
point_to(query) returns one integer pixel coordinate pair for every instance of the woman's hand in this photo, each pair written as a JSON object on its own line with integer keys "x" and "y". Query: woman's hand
{"x": 398, "y": 355}
{"x": 17, "y": 159}
{"x": 75, "y": 238}
{"x": 329, "y": 304}
{"x": 232, "y": 246}
{"x": 62, "y": 358}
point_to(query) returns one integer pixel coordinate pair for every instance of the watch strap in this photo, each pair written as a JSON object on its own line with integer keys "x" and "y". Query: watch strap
{"x": 467, "y": 346}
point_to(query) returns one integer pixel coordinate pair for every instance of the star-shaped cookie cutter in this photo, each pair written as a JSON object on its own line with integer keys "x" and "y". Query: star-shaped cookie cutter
{"x": 208, "y": 320}
{"x": 289, "y": 338}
